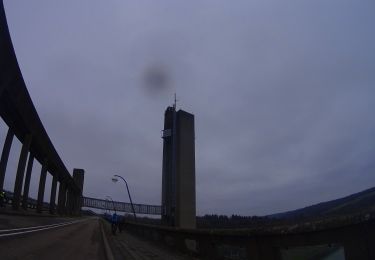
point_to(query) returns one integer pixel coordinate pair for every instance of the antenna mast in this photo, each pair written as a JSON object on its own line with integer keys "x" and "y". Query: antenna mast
{"x": 175, "y": 101}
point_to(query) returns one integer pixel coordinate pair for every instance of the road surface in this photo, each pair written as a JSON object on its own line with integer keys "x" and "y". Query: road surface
{"x": 35, "y": 237}
{"x": 74, "y": 239}
{"x": 126, "y": 246}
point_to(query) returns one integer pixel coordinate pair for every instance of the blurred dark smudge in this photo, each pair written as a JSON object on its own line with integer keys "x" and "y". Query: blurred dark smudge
{"x": 156, "y": 79}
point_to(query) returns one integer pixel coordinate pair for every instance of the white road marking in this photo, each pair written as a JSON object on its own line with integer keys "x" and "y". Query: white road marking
{"x": 37, "y": 228}
{"x": 27, "y": 228}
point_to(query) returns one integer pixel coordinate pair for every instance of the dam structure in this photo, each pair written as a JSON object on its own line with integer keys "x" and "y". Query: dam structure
{"x": 178, "y": 178}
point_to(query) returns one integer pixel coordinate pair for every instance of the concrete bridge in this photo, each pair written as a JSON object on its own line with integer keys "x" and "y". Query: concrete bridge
{"x": 35, "y": 229}
{"x": 121, "y": 206}
{"x": 19, "y": 113}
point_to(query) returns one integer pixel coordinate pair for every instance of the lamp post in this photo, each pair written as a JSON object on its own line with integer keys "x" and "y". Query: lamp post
{"x": 114, "y": 179}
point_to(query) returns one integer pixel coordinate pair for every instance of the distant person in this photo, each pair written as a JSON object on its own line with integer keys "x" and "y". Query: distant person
{"x": 114, "y": 221}
{"x": 2, "y": 198}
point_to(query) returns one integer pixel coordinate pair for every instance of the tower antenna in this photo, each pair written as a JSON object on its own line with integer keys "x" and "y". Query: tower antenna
{"x": 175, "y": 101}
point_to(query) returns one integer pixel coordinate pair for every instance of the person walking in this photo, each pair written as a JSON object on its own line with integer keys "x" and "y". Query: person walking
{"x": 2, "y": 198}
{"x": 114, "y": 221}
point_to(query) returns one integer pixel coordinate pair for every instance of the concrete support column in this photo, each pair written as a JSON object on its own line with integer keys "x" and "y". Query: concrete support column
{"x": 74, "y": 203}
{"x": 26, "y": 186}
{"x": 53, "y": 195}
{"x": 5, "y": 156}
{"x": 62, "y": 198}
{"x": 78, "y": 177}
{"x": 68, "y": 201}
{"x": 77, "y": 204}
{"x": 71, "y": 195}
{"x": 42, "y": 184}
{"x": 21, "y": 172}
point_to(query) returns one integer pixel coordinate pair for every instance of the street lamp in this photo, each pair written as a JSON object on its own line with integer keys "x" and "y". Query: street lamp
{"x": 114, "y": 179}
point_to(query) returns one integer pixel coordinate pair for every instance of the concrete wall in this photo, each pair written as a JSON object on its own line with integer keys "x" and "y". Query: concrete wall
{"x": 185, "y": 171}
{"x": 178, "y": 191}
{"x": 357, "y": 240}
{"x": 167, "y": 180}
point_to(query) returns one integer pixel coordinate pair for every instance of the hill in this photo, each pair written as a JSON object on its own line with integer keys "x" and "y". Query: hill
{"x": 358, "y": 202}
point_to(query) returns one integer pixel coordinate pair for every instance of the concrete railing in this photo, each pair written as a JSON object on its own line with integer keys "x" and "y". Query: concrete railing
{"x": 352, "y": 240}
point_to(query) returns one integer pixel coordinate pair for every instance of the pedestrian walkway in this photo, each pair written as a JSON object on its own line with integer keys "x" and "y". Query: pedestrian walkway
{"x": 128, "y": 246}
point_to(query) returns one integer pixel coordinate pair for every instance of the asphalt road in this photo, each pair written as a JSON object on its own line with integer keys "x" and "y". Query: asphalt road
{"x": 73, "y": 240}
{"x": 12, "y": 221}
{"x": 127, "y": 246}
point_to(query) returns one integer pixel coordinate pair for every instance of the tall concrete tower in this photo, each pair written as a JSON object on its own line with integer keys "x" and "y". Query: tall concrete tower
{"x": 178, "y": 191}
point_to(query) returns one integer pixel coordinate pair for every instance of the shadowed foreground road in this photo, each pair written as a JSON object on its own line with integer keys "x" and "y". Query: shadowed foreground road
{"x": 80, "y": 240}
{"x": 129, "y": 247}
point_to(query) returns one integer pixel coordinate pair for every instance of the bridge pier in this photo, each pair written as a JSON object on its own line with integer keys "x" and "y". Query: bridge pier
{"x": 5, "y": 156}
{"x": 21, "y": 172}
{"x": 42, "y": 184}
{"x": 69, "y": 202}
{"x": 76, "y": 210}
{"x": 26, "y": 186}
{"x": 78, "y": 177}
{"x": 74, "y": 203}
{"x": 53, "y": 195}
{"x": 74, "y": 200}
{"x": 62, "y": 199}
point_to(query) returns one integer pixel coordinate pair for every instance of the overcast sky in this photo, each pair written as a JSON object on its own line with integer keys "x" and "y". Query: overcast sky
{"x": 283, "y": 94}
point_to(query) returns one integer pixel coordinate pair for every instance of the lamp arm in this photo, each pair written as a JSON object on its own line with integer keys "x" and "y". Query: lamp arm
{"x": 130, "y": 198}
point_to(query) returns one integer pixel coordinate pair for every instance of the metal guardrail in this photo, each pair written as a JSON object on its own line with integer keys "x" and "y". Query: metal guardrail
{"x": 31, "y": 203}
{"x": 121, "y": 206}
{"x": 98, "y": 204}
